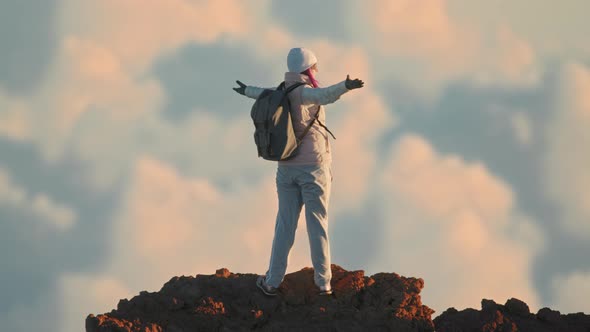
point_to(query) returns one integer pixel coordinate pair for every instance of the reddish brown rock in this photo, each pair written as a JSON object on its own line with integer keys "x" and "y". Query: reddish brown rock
{"x": 513, "y": 316}
{"x": 231, "y": 302}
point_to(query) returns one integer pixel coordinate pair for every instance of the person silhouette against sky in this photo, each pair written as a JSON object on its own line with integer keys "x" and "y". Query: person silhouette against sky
{"x": 306, "y": 178}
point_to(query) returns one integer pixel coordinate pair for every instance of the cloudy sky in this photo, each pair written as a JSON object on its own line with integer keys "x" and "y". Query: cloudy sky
{"x": 126, "y": 158}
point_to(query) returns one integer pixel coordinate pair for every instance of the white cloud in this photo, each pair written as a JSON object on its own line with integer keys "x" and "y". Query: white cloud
{"x": 430, "y": 181}
{"x": 97, "y": 97}
{"x": 335, "y": 61}
{"x": 455, "y": 225}
{"x": 137, "y": 31}
{"x": 422, "y": 45}
{"x": 554, "y": 31}
{"x": 91, "y": 108}
{"x": 175, "y": 225}
{"x": 41, "y": 205}
{"x": 571, "y": 292}
{"x": 567, "y": 180}
{"x": 273, "y": 41}
{"x": 415, "y": 29}
{"x": 355, "y": 152}
{"x": 507, "y": 59}
{"x": 89, "y": 82}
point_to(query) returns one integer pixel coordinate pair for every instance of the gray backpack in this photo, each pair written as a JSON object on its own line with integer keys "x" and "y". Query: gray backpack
{"x": 274, "y": 135}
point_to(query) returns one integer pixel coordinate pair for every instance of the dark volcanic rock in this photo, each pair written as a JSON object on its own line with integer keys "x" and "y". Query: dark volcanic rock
{"x": 231, "y": 302}
{"x": 513, "y": 316}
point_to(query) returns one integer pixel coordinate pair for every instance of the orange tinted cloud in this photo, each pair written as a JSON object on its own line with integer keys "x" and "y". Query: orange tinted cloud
{"x": 454, "y": 224}
{"x": 418, "y": 28}
{"x": 183, "y": 225}
{"x": 365, "y": 117}
{"x": 425, "y": 37}
{"x": 429, "y": 180}
{"x": 138, "y": 31}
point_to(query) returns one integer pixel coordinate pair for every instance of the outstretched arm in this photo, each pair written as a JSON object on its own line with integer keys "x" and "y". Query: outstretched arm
{"x": 249, "y": 91}
{"x": 323, "y": 96}
{"x": 254, "y": 91}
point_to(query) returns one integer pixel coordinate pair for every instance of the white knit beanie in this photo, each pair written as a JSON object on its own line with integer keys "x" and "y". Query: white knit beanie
{"x": 299, "y": 59}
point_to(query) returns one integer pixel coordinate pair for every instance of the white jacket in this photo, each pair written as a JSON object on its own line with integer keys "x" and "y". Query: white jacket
{"x": 305, "y": 102}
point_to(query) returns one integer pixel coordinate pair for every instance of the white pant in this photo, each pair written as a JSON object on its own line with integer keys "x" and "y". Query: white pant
{"x": 298, "y": 185}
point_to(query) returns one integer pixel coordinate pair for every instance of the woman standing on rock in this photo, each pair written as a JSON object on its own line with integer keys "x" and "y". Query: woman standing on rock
{"x": 307, "y": 177}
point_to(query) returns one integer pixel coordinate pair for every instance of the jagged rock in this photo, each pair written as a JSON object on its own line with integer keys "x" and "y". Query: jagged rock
{"x": 548, "y": 315}
{"x": 231, "y": 302}
{"x": 517, "y": 307}
{"x": 513, "y": 316}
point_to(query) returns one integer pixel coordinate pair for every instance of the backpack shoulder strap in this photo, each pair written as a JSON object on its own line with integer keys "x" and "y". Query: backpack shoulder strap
{"x": 291, "y": 88}
{"x": 315, "y": 118}
{"x": 323, "y": 125}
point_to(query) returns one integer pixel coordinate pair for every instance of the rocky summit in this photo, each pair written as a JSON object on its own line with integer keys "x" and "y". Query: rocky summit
{"x": 229, "y": 301}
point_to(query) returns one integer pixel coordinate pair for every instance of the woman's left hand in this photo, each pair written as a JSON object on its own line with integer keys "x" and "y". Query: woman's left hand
{"x": 242, "y": 89}
{"x": 353, "y": 84}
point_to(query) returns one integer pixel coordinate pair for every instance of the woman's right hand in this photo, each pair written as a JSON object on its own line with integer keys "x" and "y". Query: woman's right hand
{"x": 242, "y": 89}
{"x": 353, "y": 84}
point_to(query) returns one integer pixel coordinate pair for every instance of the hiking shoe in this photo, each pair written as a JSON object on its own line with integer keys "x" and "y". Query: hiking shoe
{"x": 325, "y": 291}
{"x": 266, "y": 289}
